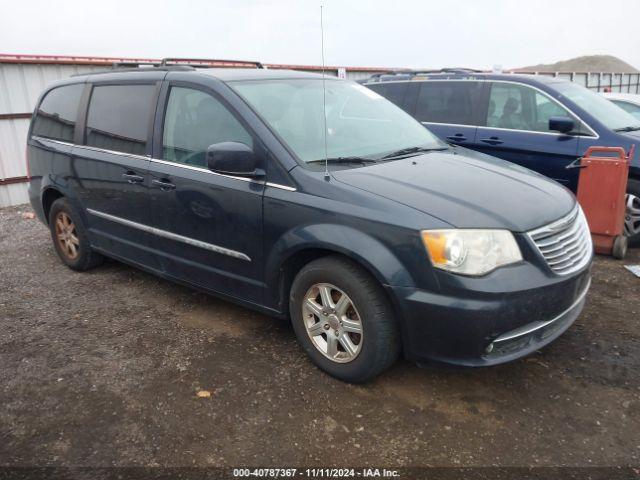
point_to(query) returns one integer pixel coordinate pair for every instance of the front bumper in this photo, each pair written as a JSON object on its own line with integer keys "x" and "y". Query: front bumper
{"x": 480, "y": 328}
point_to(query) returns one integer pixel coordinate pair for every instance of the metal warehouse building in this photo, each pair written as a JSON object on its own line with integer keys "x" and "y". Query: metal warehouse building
{"x": 23, "y": 77}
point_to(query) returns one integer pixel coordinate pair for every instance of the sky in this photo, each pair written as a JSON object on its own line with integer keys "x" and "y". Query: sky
{"x": 397, "y": 33}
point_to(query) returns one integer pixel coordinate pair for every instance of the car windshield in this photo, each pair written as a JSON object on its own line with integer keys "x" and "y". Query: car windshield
{"x": 612, "y": 116}
{"x": 632, "y": 108}
{"x": 359, "y": 122}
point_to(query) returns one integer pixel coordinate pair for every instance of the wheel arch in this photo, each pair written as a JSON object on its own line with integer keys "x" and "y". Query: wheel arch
{"x": 49, "y": 195}
{"x": 301, "y": 246}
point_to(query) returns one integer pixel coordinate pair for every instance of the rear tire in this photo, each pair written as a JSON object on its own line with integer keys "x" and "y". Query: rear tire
{"x": 358, "y": 337}
{"x": 632, "y": 212}
{"x": 70, "y": 237}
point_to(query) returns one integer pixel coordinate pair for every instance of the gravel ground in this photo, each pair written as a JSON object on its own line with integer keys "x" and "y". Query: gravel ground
{"x": 102, "y": 369}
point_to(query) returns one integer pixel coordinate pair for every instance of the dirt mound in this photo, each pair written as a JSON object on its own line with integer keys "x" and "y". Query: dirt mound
{"x": 588, "y": 63}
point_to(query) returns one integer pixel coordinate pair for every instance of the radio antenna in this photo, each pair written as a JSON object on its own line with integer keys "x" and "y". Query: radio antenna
{"x": 324, "y": 100}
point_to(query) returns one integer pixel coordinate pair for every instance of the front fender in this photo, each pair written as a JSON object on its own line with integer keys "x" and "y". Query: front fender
{"x": 368, "y": 251}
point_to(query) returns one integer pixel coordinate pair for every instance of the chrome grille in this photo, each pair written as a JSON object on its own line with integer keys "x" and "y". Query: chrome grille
{"x": 566, "y": 243}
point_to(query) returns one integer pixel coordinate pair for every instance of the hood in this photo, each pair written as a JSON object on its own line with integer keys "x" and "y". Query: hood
{"x": 635, "y": 135}
{"x": 466, "y": 189}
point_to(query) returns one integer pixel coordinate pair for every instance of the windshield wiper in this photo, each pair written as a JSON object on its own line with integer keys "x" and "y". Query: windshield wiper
{"x": 411, "y": 150}
{"x": 627, "y": 129}
{"x": 353, "y": 159}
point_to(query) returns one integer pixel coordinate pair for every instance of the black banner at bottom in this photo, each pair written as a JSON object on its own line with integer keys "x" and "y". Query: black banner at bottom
{"x": 214, "y": 473}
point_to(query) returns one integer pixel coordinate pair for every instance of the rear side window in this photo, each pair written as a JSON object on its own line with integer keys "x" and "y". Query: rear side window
{"x": 57, "y": 113}
{"x": 448, "y": 102}
{"x": 394, "y": 92}
{"x": 118, "y": 117}
{"x": 193, "y": 121}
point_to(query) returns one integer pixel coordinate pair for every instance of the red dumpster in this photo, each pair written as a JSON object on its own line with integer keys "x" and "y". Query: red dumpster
{"x": 601, "y": 193}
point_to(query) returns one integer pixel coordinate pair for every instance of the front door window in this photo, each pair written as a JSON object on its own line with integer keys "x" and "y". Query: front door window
{"x": 518, "y": 107}
{"x": 193, "y": 121}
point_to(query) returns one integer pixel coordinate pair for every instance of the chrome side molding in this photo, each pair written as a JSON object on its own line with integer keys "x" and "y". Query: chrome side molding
{"x": 281, "y": 187}
{"x": 172, "y": 236}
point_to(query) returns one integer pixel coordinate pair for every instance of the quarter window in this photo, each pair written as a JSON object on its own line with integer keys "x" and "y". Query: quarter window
{"x": 193, "y": 121}
{"x": 448, "y": 102}
{"x": 57, "y": 113}
{"x": 118, "y": 117}
{"x": 517, "y": 107}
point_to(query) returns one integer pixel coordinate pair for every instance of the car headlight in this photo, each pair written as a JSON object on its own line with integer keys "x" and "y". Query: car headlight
{"x": 471, "y": 252}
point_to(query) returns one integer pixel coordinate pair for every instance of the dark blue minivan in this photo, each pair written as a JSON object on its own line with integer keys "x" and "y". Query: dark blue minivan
{"x": 312, "y": 199}
{"x": 540, "y": 122}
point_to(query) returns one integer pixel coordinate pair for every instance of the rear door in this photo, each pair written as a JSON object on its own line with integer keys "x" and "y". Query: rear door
{"x": 208, "y": 226}
{"x": 516, "y": 128}
{"x": 110, "y": 166}
{"x": 449, "y": 108}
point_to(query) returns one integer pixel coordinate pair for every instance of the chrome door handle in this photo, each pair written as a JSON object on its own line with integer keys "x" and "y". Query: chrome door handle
{"x": 458, "y": 137}
{"x": 164, "y": 184}
{"x": 132, "y": 177}
{"x": 492, "y": 141}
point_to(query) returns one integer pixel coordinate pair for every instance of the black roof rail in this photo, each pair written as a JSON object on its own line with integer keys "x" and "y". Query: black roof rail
{"x": 134, "y": 64}
{"x": 376, "y": 76}
{"x": 446, "y": 70}
{"x": 126, "y": 67}
{"x": 389, "y": 72}
{"x": 411, "y": 73}
{"x": 208, "y": 62}
{"x": 168, "y": 64}
{"x": 460, "y": 70}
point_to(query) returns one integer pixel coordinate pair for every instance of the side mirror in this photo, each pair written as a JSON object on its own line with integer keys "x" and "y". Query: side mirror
{"x": 233, "y": 158}
{"x": 561, "y": 124}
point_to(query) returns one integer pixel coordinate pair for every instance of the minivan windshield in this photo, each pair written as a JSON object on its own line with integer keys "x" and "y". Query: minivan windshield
{"x": 360, "y": 124}
{"x": 612, "y": 116}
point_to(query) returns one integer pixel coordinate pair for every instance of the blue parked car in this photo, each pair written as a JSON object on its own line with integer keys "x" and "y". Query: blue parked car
{"x": 217, "y": 179}
{"x": 542, "y": 123}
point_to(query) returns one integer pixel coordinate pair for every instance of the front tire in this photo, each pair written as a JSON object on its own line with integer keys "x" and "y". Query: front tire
{"x": 70, "y": 237}
{"x": 343, "y": 319}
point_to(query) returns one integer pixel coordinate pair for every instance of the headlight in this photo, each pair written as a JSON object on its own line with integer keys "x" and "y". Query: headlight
{"x": 471, "y": 252}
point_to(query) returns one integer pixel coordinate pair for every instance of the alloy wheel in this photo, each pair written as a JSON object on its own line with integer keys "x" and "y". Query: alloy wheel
{"x": 332, "y": 322}
{"x": 632, "y": 216}
{"x": 67, "y": 236}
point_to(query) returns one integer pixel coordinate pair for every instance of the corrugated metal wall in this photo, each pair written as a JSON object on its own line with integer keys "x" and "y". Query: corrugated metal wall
{"x": 20, "y": 86}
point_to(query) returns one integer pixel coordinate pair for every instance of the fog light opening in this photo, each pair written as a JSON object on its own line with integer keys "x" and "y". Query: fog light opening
{"x": 489, "y": 349}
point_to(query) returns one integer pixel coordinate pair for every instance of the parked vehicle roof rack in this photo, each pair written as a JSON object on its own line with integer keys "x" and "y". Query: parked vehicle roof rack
{"x": 134, "y": 64}
{"x": 208, "y": 63}
{"x": 459, "y": 70}
{"x": 122, "y": 67}
{"x": 389, "y": 72}
{"x": 174, "y": 64}
{"x": 377, "y": 77}
{"x": 412, "y": 73}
